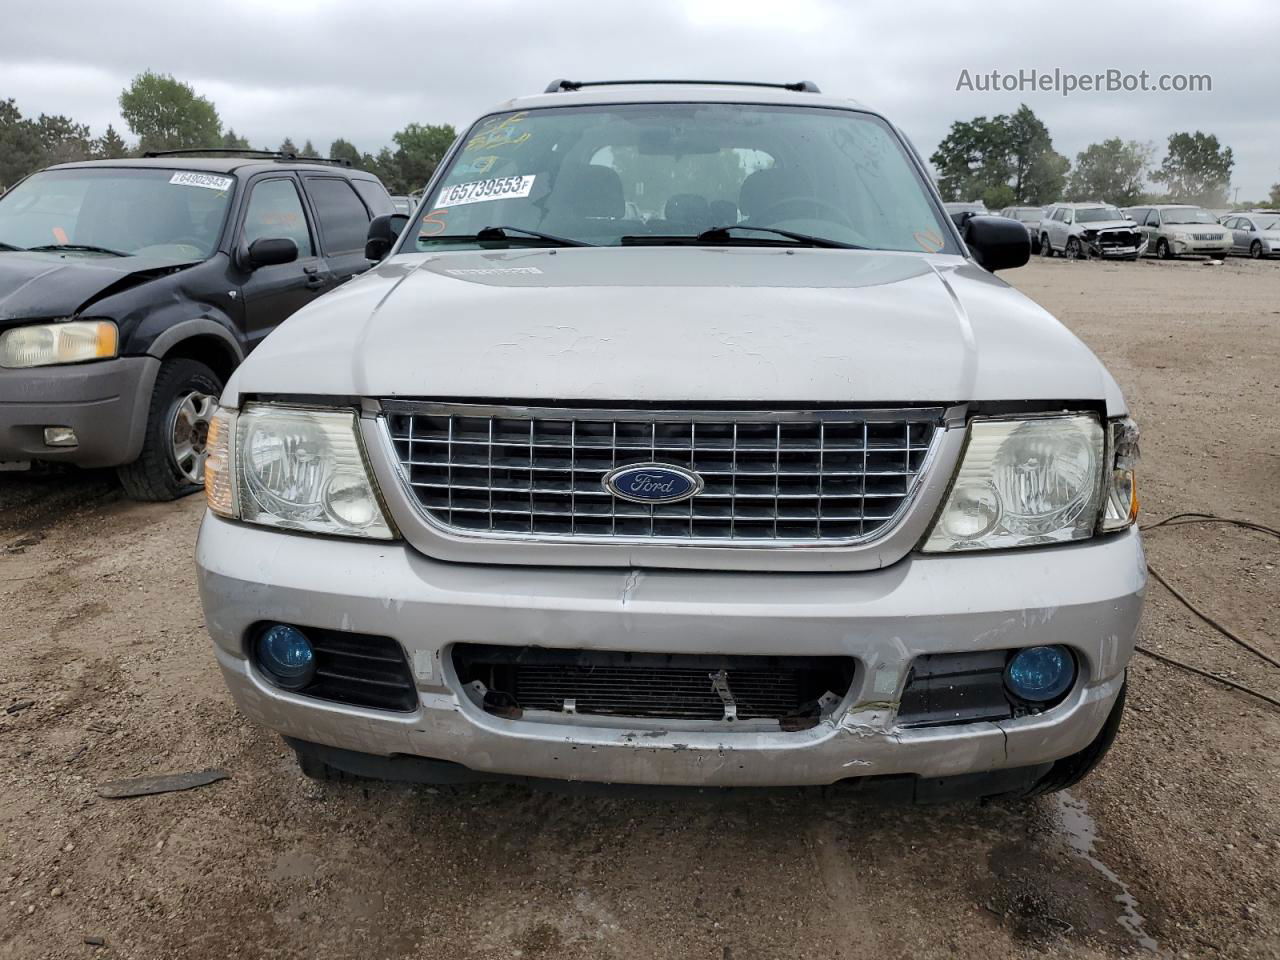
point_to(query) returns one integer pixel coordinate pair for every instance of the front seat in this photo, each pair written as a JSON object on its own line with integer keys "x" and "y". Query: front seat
{"x": 589, "y": 191}
{"x": 767, "y": 188}
{"x": 687, "y": 210}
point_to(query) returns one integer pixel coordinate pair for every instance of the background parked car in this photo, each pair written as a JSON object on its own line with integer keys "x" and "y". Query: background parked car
{"x": 1030, "y": 217}
{"x": 1176, "y": 229}
{"x": 1089, "y": 230}
{"x": 130, "y": 289}
{"x": 1256, "y": 235}
{"x": 403, "y": 205}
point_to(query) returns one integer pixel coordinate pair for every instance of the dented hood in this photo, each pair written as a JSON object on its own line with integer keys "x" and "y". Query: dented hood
{"x": 677, "y": 324}
{"x": 41, "y": 286}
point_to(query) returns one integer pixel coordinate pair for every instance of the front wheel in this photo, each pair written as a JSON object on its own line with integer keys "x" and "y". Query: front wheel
{"x": 1163, "y": 250}
{"x": 1046, "y": 248}
{"x": 1073, "y": 249}
{"x": 1255, "y": 250}
{"x": 173, "y": 452}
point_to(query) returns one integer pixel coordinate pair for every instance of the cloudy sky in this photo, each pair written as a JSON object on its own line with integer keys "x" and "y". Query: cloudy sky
{"x": 320, "y": 69}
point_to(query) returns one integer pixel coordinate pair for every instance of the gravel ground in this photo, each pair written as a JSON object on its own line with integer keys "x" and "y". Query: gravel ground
{"x": 1173, "y": 845}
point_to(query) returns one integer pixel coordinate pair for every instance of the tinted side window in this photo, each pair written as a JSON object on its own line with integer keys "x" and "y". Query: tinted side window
{"x": 275, "y": 210}
{"x": 375, "y": 197}
{"x": 344, "y": 221}
{"x": 1153, "y": 218}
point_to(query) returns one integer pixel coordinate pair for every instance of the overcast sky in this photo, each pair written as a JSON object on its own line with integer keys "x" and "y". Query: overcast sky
{"x": 319, "y": 69}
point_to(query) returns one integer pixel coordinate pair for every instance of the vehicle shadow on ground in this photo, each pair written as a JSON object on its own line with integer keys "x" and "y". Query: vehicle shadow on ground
{"x": 509, "y": 870}
{"x": 33, "y": 501}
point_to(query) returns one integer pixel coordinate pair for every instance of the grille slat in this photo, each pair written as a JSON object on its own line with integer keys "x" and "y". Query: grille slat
{"x": 769, "y": 479}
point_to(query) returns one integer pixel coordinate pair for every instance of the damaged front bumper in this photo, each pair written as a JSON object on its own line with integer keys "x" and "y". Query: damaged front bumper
{"x": 1116, "y": 244}
{"x": 1087, "y": 596}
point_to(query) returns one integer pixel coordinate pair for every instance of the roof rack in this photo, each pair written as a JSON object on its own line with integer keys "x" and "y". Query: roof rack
{"x": 563, "y": 86}
{"x": 244, "y": 151}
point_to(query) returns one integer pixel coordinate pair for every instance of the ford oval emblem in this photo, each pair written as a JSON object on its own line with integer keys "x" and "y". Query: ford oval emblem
{"x": 653, "y": 483}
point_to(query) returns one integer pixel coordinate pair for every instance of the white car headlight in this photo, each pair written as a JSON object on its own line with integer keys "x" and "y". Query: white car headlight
{"x": 1023, "y": 483}
{"x": 293, "y": 467}
{"x": 1121, "y": 487}
{"x": 72, "y": 341}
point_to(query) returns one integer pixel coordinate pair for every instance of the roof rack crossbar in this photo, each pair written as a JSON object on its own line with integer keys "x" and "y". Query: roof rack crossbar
{"x": 245, "y": 152}
{"x": 562, "y": 86}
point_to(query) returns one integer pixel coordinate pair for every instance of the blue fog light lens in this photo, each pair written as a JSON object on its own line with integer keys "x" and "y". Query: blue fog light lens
{"x": 1040, "y": 673}
{"x": 285, "y": 654}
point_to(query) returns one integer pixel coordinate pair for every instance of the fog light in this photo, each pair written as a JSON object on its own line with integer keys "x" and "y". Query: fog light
{"x": 284, "y": 653}
{"x": 60, "y": 437}
{"x": 1040, "y": 673}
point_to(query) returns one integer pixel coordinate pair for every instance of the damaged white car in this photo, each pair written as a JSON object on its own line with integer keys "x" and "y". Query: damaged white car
{"x": 1084, "y": 230}
{"x": 680, "y": 438}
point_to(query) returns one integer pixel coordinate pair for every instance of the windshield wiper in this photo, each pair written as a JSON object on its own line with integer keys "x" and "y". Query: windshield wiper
{"x": 505, "y": 233}
{"x": 85, "y": 247}
{"x": 715, "y": 234}
{"x": 722, "y": 235}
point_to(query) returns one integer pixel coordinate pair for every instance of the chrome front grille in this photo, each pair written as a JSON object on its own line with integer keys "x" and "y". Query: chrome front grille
{"x": 769, "y": 478}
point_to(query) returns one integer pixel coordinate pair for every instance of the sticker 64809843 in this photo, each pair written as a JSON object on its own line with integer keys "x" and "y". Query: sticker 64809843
{"x": 477, "y": 191}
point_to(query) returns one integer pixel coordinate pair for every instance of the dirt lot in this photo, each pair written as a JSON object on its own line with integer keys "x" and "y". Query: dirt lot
{"x": 1173, "y": 845}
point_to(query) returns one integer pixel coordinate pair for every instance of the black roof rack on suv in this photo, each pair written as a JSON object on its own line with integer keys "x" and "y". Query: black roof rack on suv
{"x": 561, "y": 86}
{"x": 238, "y": 151}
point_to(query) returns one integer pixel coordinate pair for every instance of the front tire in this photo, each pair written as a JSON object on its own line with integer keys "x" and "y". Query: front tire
{"x": 1073, "y": 251}
{"x": 1069, "y": 771}
{"x": 1163, "y": 250}
{"x": 1255, "y": 250}
{"x": 1046, "y": 248}
{"x": 171, "y": 464}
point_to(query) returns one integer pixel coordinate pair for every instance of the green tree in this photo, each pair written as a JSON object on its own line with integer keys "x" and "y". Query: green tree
{"x": 166, "y": 114}
{"x": 1113, "y": 171}
{"x": 1196, "y": 169}
{"x": 63, "y": 140}
{"x": 287, "y": 146}
{"x": 309, "y": 149}
{"x": 1275, "y": 195}
{"x": 21, "y": 149}
{"x": 344, "y": 150}
{"x": 1003, "y": 160}
{"x": 233, "y": 142}
{"x": 419, "y": 148}
{"x": 110, "y": 146}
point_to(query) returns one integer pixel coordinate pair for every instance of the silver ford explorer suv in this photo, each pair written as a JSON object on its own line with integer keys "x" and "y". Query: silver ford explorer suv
{"x": 679, "y": 437}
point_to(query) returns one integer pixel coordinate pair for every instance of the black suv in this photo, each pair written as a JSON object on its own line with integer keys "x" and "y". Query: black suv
{"x": 130, "y": 289}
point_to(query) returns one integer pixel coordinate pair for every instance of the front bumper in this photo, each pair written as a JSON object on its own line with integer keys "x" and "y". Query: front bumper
{"x": 1202, "y": 247}
{"x": 1088, "y": 596}
{"x": 105, "y": 403}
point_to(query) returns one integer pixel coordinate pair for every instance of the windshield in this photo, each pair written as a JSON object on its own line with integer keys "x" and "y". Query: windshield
{"x": 168, "y": 214}
{"x": 1188, "y": 215}
{"x": 1098, "y": 214}
{"x": 1269, "y": 223}
{"x": 615, "y": 174}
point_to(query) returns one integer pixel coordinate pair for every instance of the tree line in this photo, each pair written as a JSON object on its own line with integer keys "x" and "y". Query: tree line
{"x": 1009, "y": 160}
{"x": 163, "y": 113}
{"x": 1002, "y": 160}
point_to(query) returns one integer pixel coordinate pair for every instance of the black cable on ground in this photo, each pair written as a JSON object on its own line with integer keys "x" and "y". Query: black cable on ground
{"x": 1182, "y": 519}
{"x": 1205, "y": 673}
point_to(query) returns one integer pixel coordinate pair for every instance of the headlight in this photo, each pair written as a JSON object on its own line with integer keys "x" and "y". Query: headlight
{"x": 293, "y": 467}
{"x": 1023, "y": 483}
{"x": 72, "y": 341}
{"x": 1121, "y": 507}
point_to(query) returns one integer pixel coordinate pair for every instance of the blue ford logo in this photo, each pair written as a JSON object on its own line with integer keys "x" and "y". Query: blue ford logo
{"x": 652, "y": 483}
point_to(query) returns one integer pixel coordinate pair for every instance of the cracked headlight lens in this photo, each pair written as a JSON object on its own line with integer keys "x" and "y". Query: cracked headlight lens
{"x": 295, "y": 468}
{"x": 1023, "y": 483}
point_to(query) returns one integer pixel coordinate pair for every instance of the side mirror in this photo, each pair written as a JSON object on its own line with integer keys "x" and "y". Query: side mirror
{"x": 383, "y": 233}
{"x": 269, "y": 252}
{"x": 997, "y": 243}
{"x": 959, "y": 219}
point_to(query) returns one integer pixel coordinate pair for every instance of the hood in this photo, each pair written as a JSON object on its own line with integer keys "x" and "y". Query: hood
{"x": 677, "y": 324}
{"x": 40, "y": 286}
{"x": 1108, "y": 225}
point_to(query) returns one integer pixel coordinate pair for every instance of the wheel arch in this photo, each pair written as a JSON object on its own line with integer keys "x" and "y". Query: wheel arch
{"x": 201, "y": 339}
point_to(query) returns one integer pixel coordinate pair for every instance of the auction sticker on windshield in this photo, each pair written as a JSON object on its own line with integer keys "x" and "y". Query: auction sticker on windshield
{"x": 209, "y": 181}
{"x": 477, "y": 191}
